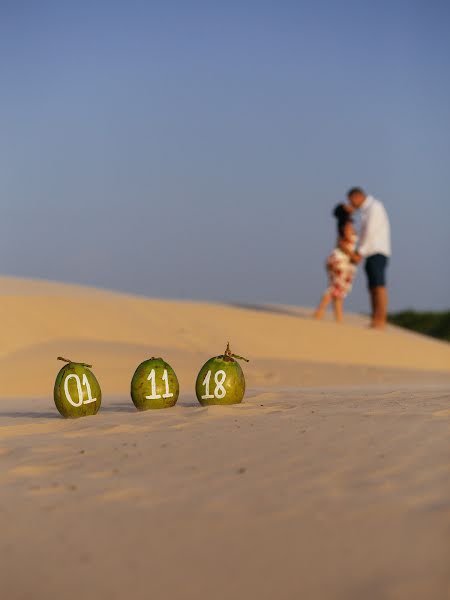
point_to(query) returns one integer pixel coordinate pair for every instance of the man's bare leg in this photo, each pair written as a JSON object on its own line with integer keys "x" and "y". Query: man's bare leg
{"x": 372, "y": 305}
{"x": 338, "y": 309}
{"x": 379, "y": 297}
{"x": 324, "y": 302}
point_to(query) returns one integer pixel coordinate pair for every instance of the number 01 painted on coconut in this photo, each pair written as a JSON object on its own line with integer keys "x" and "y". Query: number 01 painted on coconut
{"x": 219, "y": 379}
{"x": 152, "y": 377}
{"x": 80, "y": 385}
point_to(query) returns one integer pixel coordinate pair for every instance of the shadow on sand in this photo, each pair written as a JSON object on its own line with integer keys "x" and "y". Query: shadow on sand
{"x": 116, "y": 407}
{"x": 274, "y": 309}
{"x": 47, "y": 414}
{"x": 16, "y": 414}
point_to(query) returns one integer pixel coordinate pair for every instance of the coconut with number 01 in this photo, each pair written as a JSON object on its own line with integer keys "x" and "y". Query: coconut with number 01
{"x": 77, "y": 392}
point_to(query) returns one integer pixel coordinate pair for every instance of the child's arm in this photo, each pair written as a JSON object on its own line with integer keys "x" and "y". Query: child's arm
{"x": 348, "y": 233}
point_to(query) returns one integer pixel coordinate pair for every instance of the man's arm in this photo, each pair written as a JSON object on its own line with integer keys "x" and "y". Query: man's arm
{"x": 355, "y": 257}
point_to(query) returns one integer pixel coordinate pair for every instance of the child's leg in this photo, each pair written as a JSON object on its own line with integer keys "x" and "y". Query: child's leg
{"x": 325, "y": 301}
{"x": 338, "y": 309}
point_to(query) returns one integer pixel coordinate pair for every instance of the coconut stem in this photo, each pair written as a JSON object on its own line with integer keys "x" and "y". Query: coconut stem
{"x": 231, "y": 355}
{"x": 67, "y": 360}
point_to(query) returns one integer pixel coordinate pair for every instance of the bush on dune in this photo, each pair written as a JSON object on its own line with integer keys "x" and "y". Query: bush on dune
{"x": 435, "y": 324}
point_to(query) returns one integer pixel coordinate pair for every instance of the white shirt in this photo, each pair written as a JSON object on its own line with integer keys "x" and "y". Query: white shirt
{"x": 375, "y": 229}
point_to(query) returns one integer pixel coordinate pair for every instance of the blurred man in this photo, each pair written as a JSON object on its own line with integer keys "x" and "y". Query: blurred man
{"x": 375, "y": 247}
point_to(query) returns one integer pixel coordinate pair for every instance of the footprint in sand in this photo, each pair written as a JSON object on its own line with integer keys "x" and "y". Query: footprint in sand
{"x": 103, "y": 474}
{"x": 442, "y": 413}
{"x": 31, "y": 470}
{"x": 37, "y": 490}
{"x": 112, "y": 430}
{"x": 122, "y": 494}
{"x": 27, "y": 429}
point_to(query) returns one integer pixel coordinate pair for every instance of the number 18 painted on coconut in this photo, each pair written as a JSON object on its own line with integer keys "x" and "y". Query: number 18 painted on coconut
{"x": 220, "y": 391}
{"x": 221, "y": 380}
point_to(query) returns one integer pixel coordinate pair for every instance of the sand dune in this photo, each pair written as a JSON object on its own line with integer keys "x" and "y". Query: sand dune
{"x": 116, "y": 331}
{"x": 330, "y": 481}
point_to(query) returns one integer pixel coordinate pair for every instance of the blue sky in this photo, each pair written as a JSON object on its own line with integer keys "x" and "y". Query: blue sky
{"x": 196, "y": 149}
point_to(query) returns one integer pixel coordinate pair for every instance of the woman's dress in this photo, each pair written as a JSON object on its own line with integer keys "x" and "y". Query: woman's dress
{"x": 341, "y": 271}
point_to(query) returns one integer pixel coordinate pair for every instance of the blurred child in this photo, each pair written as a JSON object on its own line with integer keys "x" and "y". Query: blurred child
{"x": 340, "y": 269}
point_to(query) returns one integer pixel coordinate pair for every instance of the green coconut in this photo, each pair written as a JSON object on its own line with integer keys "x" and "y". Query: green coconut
{"x": 221, "y": 380}
{"x": 154, "y": 385}
{"x": 77, "y": 392}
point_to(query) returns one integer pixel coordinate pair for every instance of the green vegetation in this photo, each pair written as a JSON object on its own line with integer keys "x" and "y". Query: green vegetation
{"x": 435, "y": 324}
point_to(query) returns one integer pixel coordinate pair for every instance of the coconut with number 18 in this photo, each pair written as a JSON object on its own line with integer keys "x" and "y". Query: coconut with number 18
{"x": 221, "y": 380}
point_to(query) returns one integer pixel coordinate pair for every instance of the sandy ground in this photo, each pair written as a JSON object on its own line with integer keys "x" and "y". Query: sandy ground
{"x": 331, "y": 480}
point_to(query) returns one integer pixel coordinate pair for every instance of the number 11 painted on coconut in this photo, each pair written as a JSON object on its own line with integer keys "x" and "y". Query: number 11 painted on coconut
{"x": 154, "y": 385}
{"x": 154, "y": 395}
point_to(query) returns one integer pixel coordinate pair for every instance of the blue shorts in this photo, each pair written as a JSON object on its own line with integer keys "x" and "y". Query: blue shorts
{"x": 376, "y": 270}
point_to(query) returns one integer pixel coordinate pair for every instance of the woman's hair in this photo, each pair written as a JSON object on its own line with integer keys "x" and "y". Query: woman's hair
{"x": 343, "y": 217}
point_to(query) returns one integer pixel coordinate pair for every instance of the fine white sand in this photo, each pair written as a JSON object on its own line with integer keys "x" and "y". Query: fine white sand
{"x": 330, "y": 481}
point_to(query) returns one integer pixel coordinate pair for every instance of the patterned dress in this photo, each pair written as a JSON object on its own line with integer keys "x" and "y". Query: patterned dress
{"x": 341, "y": 271}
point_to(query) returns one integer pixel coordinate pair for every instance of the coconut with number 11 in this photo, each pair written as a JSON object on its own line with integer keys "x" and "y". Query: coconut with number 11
{"x": 154, "y": 385}
{"x": 77, "y": 392}
{"x": 221, "y": 380}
